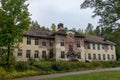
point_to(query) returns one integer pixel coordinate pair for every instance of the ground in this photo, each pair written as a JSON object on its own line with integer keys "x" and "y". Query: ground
{"x": 108, "y": 75}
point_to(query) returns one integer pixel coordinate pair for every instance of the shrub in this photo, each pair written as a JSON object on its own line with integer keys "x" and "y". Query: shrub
{"x": 21, "y": 66}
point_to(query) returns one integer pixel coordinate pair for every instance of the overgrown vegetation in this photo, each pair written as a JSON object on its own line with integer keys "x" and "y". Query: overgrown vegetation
{"x": 31, "y": 68}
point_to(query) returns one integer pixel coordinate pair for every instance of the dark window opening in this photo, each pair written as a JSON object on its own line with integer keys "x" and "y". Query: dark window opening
{"x": 44, "y": 42}
{"x": 78, "y": 43}
{"x": 19, "y": 52}
{"x": 62, "y": 42}
{"x": 62, "y": 54}
{"x": 36, "y": 54}
{"x": 29, "y": 40}
{"x": 36, "y": 41}
{"x": 44, "y": 54}
{"x": 28, "y": 52}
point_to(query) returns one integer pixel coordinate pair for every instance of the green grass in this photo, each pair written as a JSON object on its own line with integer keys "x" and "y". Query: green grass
{"x": 108, "y": 75}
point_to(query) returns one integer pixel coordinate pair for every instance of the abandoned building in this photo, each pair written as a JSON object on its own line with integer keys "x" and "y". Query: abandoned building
{"x": 63, "y": 45}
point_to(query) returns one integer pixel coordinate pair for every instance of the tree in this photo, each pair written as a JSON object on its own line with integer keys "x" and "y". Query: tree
{"x": 35, "y": 24}
{"x": 53, "y": 28}
{"x": 89, "y": 30}
{"x": 107, "y": 10}
{"x": 97, "y": 31}
{"x": 14, "y": 19}
{"x": 80, "y": 31}
{"x": 109, "y": 13}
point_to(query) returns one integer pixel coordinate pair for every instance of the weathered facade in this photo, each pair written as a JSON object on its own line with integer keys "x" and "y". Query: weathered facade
{"x": 64, "y": 45}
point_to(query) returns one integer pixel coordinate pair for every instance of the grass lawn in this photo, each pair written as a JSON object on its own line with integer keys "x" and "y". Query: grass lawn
{"x": 108, "y": 75}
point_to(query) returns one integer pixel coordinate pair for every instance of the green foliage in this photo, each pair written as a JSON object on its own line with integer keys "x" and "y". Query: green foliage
{"x": 105, "y": 75}
{"x": 35, "y": 24}
{"x": 89, "y": 30}
{"x": 107, "y": 10}
{"x": 14, "y": 20}
{"x": 21, "y": 66}
{"x": 53, "y": 28}
{"x": 80, "y": 31}
{"x": 109, "y": 14}
{"x": 21, "y": 69}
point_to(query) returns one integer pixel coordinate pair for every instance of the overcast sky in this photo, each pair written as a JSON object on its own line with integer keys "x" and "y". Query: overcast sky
{"x": 67, "y": 12}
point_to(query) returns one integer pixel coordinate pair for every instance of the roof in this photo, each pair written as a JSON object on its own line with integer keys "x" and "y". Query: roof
{"x": 60, "y": 32}
{"x": 99, "y": 40}
{"x": 38, "y": 33}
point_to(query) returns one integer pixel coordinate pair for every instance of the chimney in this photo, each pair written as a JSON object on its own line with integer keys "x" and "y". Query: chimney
{"x": 60, "y": 26}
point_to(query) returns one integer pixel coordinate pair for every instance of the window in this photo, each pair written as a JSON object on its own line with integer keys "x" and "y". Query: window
{"x": 19, "y": 52}
{"x": 79, "y": 55}
{"x": 36, "y": 54}
{"x": 44, "y": 42}
{"x": 112, "y": 56}
{"x": 70, "y": 47}
{"x": 106, "y": 47}
{"x": 44, "y": 54}
{"x": 89, "y": 56}
{"x": 28, "y": 52}
{"x": 36, "y": 41}
{"x": 51, "y": 43}
{"x": 93, "y": 46}
{"x": 94, "y": 56}
{"x": 70, "y": 34}
{"x": 29, "y": 40}
{"x": 62, "y": 54}
{"x": 99, "y": 56}
{"x": 103, "y": 46}
{"x": 78, "y": 43}
{"x": 108, "y": 56}
{"x": 111, "y": 47}
{"x": 62, "y": 42}
{"x": 88, "y": 46}
{"x": 98, "y": 46}
{"x": 103, "y": 56}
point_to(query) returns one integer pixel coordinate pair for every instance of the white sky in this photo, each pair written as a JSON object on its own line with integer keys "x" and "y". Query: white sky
{"x": 67, "y": 12}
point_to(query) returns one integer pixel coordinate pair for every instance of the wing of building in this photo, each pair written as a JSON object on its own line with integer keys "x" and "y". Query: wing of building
{"x": 63, "y": 45}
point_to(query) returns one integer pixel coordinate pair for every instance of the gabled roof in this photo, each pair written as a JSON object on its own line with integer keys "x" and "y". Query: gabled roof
{"x": 99, "y": 40}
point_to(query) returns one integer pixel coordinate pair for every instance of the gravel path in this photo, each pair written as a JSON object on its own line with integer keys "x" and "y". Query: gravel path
{"x": 65, "y": 74}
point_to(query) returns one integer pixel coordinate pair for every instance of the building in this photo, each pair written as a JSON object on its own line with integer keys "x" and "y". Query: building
{"x": 65, "y": 45}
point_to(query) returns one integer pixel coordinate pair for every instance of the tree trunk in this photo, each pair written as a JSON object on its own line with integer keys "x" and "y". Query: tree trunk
{"x": 8, "y": 55}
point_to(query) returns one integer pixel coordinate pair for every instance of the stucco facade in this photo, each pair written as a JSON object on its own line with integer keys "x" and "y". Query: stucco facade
{"x": 65, "y": 45}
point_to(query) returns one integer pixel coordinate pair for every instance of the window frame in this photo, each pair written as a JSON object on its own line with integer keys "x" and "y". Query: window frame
{"x": 78, "y": 43}
{"x": 44, "y": 42}
{"x": 20, "y": 51}
{"x": 36, "y": 41}
{"x": 36, "y": 54}
{"x": 44, "y": 54}
{"x": 28, "y": 53}
{"x": 79, "y": 55}
{"x": 62, "y": 54}
{"x": 62, "y": 42}
{"x": 89, "y": 56}
{"x": 93, "y": 45}
{"x": 94, "y": 56}
{"x": 28, "y": 40}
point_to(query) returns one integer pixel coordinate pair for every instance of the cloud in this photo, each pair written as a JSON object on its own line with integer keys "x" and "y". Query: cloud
{"x": 67, "y": 12}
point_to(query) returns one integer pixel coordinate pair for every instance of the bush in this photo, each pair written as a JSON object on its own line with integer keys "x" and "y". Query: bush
{"x": 21, "y": 66}
{"x": 44, "y": 66}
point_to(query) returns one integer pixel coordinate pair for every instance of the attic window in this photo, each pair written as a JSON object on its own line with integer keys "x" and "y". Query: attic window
{"x": 70, "y": 34}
